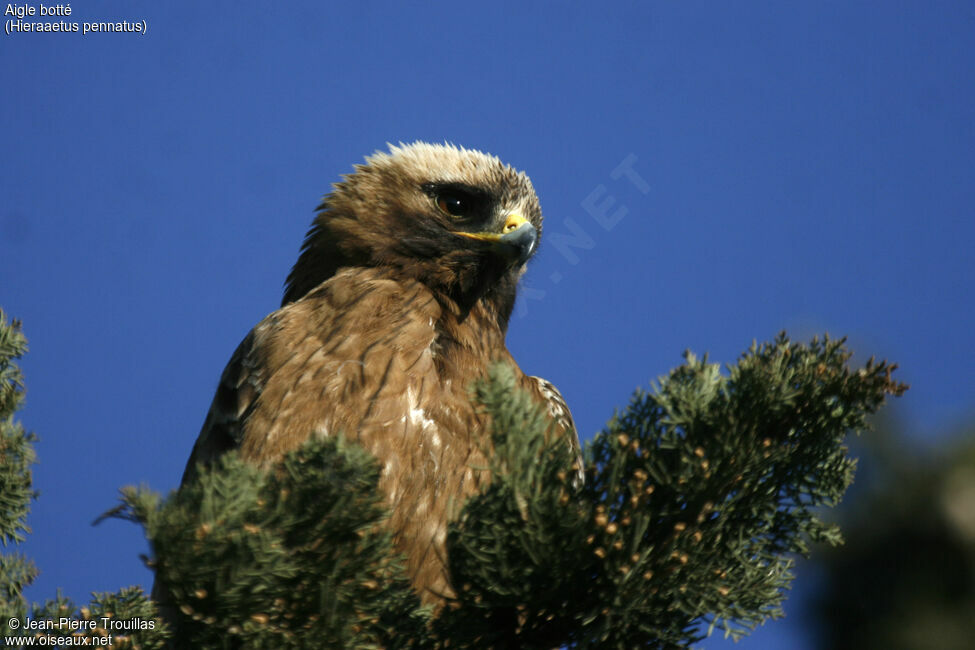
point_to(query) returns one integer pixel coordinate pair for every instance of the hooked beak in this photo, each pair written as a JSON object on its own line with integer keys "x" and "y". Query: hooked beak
{"x": 516, "y": 242}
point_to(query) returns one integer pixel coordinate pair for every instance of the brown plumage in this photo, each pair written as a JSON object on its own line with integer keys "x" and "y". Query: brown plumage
{"x": 399, "y": 300}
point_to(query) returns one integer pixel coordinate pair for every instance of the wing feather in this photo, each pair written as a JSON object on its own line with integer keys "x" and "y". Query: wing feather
{"x": 559, "y": 411}
{"x": 240, "y": 386}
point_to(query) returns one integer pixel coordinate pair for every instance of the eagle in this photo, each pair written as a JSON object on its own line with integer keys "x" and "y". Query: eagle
{"x": 400, "y": 299}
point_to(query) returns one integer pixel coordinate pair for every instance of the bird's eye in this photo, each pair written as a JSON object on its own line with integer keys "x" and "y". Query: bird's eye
{"x": 454, "y": 204}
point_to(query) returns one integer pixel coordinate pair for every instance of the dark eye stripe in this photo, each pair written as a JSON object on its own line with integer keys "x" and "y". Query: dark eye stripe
{"x": 459, "y": 200}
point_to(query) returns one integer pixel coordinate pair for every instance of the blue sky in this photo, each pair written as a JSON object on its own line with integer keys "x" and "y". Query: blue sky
{"x": 801, "y": 166}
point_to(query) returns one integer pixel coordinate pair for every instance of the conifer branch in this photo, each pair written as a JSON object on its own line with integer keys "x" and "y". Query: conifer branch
{"x": 697, "y": 498}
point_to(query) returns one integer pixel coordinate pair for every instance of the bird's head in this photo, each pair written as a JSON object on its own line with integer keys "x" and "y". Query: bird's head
{"x": 460, "y": 221}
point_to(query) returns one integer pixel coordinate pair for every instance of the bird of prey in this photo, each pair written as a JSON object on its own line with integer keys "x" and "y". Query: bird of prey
{"x": 399, "y": 300}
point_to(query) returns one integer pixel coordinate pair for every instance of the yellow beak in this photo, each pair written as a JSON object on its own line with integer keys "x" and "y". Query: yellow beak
{"x": 513, "y": 222}
{"x": 516, "y": 241}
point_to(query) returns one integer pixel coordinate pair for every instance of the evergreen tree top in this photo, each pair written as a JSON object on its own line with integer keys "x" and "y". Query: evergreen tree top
{"x": 696, "y": 498}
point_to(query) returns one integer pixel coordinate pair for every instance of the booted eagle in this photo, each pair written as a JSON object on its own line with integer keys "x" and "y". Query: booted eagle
{"x": 399, "y": 300}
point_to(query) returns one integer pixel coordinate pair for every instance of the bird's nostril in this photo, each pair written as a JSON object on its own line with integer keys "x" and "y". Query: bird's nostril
{"x": 513, "y": 222}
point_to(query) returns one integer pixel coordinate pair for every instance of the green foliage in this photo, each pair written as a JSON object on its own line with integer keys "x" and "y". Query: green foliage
{"x": 125, "y": 620}
{"x": 695, "y": 500}
{"x": 16, "y": 458}
{"x": 281, "y": 559}
{"x": 518, "y": 553}
{"x": 713, "y": 481}
{"x": 16, "y": 446}
{"x": 16, "y": 494}
{"x": 905, "y": 580}
{"x": 16, "y": 573}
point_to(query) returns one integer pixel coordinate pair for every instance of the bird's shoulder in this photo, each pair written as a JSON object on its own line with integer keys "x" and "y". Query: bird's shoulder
{"x": 346, "y": 322}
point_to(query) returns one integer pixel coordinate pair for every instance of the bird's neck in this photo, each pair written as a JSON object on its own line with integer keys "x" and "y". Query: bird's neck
{"x": 469, "y": 337}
